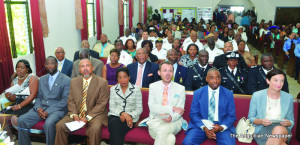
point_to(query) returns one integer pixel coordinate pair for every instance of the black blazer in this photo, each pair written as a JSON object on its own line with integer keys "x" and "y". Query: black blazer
{"x": 192, "y": 81}
{"x": 93, "y": 53}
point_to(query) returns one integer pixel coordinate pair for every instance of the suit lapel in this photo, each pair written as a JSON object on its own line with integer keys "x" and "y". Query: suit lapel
{"x": 91, "y": 89}
{"x": 263, "y": 103}
{"x": 177, "y": 73}
{"x": 134, "y": 72}
{"x": 221, "y": 101}
{"x": 205, "y": 101}
{"x": 172, "y": 91}
{"x": 283, "y": 105}
{"x": 147, "y": 69}
{"x": 47, "y": 83}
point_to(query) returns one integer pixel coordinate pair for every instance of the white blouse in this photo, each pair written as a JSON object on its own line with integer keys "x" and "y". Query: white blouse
{"x": 273, "y": 110}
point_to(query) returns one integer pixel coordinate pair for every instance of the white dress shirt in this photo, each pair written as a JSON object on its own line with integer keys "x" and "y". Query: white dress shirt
{"x": 124, "y": 39}
{"x": 204, "y": 67}
{"x": 186, "y": 40}
{"x": 167, "y": 45}
{"x": 139, "y": 43}
{"x": 219, "y": 43}
{"x": 234, "y": 70}
{"x": 236, "y": 48}
{"x": 125, "y": 58}
{"x": 198, "y": 43}
{"x": 266, "y": 71}
{"x": 213, "y": 53}
{"x": 162, "y": 54}
{"x": 175, "y": 66}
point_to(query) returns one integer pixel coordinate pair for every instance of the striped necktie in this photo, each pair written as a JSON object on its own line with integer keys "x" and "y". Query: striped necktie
{"x": 212, "y": 102}
{"x": 83, "y": 103}
{"x": 165, "y": 96}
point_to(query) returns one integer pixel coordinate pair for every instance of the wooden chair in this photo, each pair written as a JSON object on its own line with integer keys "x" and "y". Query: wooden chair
{"x": 291, "y": 62}
{"x": 298, "y": 121}
{"x": 281, "y": 58}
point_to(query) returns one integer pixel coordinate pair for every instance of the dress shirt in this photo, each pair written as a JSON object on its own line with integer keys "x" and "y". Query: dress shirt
{"x": 297, "y": 50}
{"x": 167, "y": 45}
{"x": 144, "y": 66}
{"x": 203, "y": 67}
{"x": 186, "y": 40}
{"x": 125, "y": 58}
{"x": 61, "y": 63}
{"x": 266, "y": 71}
{"x": 287, "y": 44}
{"x": 52, "y": 79}
{"x": 230, "y": 38}
{"x": 124, "y": 39}
{"x": 220, "y": 43}
{"x": 169, "y": 85}
{"x": 234, "y": 70}
{"x": 236, "y": 48}
{"x": 216, "y": 115}
{"x": 139, "y": 44}
{"x": 198, "y": 43}
{"x": 213, "y": 53}
{"x": 175, "y": 65}
{"x": 161, "y": 54}
{"x": 102, "y": 48}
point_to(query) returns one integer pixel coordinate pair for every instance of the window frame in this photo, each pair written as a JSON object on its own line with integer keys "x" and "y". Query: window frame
{"x": 8, "y": 11}
{"x": 94, "y": 16}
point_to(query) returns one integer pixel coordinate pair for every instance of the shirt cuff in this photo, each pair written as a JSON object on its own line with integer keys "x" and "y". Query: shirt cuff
{"x": 72, "y": 115}
{"x": 224, "y": 127}
{"x": 89, "y": 118}
{"x": 202, "y": 127}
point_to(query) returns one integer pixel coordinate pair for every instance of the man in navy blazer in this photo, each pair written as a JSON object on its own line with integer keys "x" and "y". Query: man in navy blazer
{"x": 211, "y": 103}
{"x": 179, "y": 70}
{"x": 50, "y": 104}
{"x": 64, "y": 65}
{"x": 86, "y": 44}
{"x": 196, "y": 74}
{"x": 148, "y": 70}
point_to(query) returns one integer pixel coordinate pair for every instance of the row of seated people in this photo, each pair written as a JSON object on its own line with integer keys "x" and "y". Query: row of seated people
{"x": 60, "y": 99}
{"x": 190, "y": 70}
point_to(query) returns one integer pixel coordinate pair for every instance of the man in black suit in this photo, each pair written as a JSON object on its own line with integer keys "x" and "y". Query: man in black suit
{"x": 196, "y": 74}
{"x": 229, "y": 37}
{"x": 179, "y": 70}
{"x": 220, "y": 61}
{"x": 86, "y": 44}
{"x": 64, "y": 65}
{"x": 142, "y": 73}
{"x": 257, "y": 75}
{"x": 156, "y": 16}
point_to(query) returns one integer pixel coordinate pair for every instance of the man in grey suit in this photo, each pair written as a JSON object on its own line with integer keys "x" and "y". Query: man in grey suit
{"x": 50, "y": 104}
{"x": 84, "y": 53}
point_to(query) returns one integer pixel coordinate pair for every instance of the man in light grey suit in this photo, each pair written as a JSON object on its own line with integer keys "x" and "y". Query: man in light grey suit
{"x": 166, "y": 104}
{"x": 50, "y": 104}
{"x": 84, "y": 53}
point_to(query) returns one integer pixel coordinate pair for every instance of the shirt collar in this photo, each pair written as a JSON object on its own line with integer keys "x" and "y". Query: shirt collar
{"x": 169, "y": 85}
{"x": 62, "y": 62}
{"x": 210, "y": 90}
{"x": 54, "y": 76}
{"x": 266, "y": 71}
{"x": 234, "y": 70}
{"x": 203, "y": 66}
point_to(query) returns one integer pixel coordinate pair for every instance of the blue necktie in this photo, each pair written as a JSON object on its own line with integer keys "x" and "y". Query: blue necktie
{"x": 212, "y": 102}
{"x": 51, "y": 81}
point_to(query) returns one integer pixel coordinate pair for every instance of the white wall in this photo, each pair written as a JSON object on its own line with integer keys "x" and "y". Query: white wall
{"x": 110, "y": 16}
{"x": 266, "y": 9}
{"x": 30, "y": 58}
{"x": 246, "y": 3}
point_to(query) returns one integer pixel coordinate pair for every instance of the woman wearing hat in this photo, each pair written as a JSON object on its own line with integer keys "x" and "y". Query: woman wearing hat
{"x": 241, "y": 29}
{"x": 233, "y": 77}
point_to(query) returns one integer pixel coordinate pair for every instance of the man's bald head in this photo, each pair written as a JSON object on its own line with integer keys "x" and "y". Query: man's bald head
{"x": 103, "y": 38}
{"x": 60, "y": 53}
{"x": 194, "y": 36}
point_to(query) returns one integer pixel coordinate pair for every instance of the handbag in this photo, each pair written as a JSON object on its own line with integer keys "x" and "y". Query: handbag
{"x": 245, "y": 130}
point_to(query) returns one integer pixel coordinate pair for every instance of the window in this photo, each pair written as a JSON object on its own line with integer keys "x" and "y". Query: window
{"x": 91, "y": 18}
{"x": 126, "y": 13}
{"x": 19, "y": 29}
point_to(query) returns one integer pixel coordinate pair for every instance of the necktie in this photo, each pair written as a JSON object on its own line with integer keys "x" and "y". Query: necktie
{"x": 212, "y": 103}
{"x": 51, "y": 80}
{"x": 59, "y": 66}
{"x": 83, "y": 102}
{"x": 232, "y": 72}
{"x": 139, "y": 76}
{"x": 165, "y": 96}
{"x": 202, "y": 68}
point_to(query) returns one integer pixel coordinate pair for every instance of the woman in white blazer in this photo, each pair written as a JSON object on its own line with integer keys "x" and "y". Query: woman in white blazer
{"x": 272, "y": 111}
{"x": 125, "y": 107}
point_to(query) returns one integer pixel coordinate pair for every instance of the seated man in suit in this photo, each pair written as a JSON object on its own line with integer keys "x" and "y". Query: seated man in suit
{"x": 104, "y": 47}
{"x": 257, "y": 75}
{"x": 215, "y": 104}
{"x": 166, "y": 104}
{"x": 97, "y": 64}
{"x": 50, "y": 104}
{"x": 87, "y": 102}
{"x": 220, "y": 61}
{"x": 179, "y": 70}
{"x": 142, "y": 73}
{"x": 85, "y": 44}
{"x": 196, "y": 75}
{"x": 64, "y": 65}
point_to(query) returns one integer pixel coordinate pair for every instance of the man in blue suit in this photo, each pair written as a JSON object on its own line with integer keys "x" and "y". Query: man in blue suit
{"x": 179, "y": 70}
{"x": 50, "y": 104}
{"x": 217, "y": 106}
{"x": 142, "y": 73}
{"x": 196, "y": 74}
{"x": 64, "y": 65}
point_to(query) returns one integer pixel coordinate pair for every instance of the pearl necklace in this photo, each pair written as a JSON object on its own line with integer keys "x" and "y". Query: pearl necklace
{"x": 23, "y": 77}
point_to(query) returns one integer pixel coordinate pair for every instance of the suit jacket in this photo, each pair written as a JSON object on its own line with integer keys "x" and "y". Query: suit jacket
{"x": 193, "y": 82}
{"x": 220, "y": 61}
{"x": 240, "y": 78}
{"x": 150, "y": 73}
{"x": 67, "y": 68}
{"x": 258, "y": 107}
{"x": 98, "y": 65}
{"x": 54, "y": 100}
{"x": 92, "y": 54}
{"x": 256, "y": 82}
{"x": 96, "y": 101}
{"x": 225, "y": 39}
{"x": 106, "y": 50}
{"x": 199, "y": 108}
{"x": 180, "y": 74}
{"x": 130, "y": 102}
{"x": 176, "y": 98}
